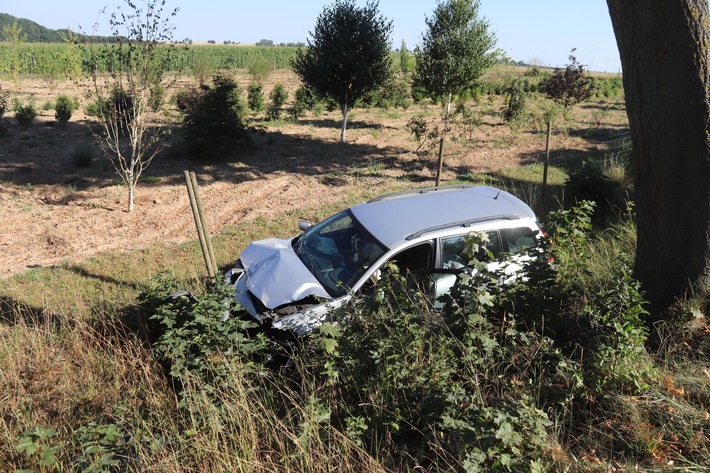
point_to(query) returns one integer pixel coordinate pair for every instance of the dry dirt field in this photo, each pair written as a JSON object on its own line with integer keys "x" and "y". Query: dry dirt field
{"x": 53, "y": 210}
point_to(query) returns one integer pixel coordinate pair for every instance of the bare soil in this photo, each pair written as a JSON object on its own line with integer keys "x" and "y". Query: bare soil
{"x": 53, "y": 210}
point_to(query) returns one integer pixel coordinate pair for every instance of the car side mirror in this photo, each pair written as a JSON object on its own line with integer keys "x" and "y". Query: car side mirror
{"x": 304, "y": 226}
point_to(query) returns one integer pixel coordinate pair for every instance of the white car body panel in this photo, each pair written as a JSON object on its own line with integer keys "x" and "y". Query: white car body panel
{"x": 276, "y": 276}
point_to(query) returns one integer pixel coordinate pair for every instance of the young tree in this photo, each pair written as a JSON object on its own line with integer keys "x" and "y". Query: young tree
{"x": 12, "y": 33}
{"x": 128, "y": 87}
{"x": 455, "y": 51}
{"x": 215, "y": 123}
{"x": 347, "y": 55}
{"x": 663, "y": 48}
{"x": 568, "y": 86}
{"x": 405, "y": 60}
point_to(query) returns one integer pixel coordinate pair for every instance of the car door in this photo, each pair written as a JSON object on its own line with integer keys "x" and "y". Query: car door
{"x": 453, "y": 259}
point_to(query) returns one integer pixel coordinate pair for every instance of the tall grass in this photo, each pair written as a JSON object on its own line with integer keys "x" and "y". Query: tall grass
{"x": 81, "y": 387}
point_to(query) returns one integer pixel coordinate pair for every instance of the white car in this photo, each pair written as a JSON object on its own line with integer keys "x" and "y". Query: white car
{"x": 294, "y": 284}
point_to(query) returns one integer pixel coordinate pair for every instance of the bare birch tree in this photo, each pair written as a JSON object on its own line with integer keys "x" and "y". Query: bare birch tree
{"x": 129, "y": 83}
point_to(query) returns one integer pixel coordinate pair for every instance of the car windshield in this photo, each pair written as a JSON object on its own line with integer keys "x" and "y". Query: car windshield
{"x": 338, "y": 251}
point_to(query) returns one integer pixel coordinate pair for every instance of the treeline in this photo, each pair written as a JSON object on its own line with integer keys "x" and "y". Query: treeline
{"x": 36, "y": 33}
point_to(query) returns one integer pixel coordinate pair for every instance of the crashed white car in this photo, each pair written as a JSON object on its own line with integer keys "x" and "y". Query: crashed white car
{"x": 294, "y": 284}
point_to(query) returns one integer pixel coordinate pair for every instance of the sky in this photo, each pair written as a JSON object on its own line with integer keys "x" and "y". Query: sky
{"x": 541, "y": 32}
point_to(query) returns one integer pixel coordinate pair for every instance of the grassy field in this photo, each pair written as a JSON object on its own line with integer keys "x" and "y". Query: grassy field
{"x": 84, "y": 385}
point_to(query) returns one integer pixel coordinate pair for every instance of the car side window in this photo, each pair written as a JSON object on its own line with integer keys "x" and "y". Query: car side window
{"x": 518, "y": 239}
{"x": 453, "y": 251}
{"x": 413, "y": 263}
{"x": 417, "y": 258}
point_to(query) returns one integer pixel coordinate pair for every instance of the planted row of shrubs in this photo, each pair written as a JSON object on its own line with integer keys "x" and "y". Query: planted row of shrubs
{"x": 25, "y": 114}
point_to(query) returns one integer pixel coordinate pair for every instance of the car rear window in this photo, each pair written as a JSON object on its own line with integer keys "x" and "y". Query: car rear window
{"x": 519, "y": 239}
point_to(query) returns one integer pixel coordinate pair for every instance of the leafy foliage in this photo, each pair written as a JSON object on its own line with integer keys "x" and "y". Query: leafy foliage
{"x": 305, "y": 99}
{"x": 424, "y": 134}
{"x": 255, "y": 97}
{"x": 394, "y": 93}
{"x": 260, "y": 68}
{"x": 517, "y": 99}
{"x": 63, "y": 108}
{"x": 569, "y": 86}
{"x": 97, "y": 447}
{"x": 24, "y": 114}
{"x": 4, "y": 101}
{"x": 277, "y": 97}
{"x": 405, "y": 58}
{"x": 347, "y": 55}
{"x": 469, "y": 120}
{"x": 215, "y": 123}
{"x": 455, "y": 51}
{"x": 195, "y": 330}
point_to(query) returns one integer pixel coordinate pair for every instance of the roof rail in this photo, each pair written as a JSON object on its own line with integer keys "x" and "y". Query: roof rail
{"x": 462, "y": 223}
{"x": 423, "y": 190}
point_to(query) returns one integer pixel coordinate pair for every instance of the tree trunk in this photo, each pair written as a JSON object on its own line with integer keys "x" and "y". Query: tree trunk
{"x": 448, "y": 112}
{"x": 664, "y": 57}
{"x": 345, "y": 122}
{"x": 131, "y": 186}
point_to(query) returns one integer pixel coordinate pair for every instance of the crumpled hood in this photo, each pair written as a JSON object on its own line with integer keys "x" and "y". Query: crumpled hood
{"x": 276, "y": 275}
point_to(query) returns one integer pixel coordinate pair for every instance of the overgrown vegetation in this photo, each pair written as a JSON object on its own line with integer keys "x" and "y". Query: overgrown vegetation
{"x": 561, "y": 372}
{"x": 558, "y": 372}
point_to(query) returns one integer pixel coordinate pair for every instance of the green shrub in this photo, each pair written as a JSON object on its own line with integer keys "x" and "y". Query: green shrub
{"x": 63, "y": 109}
{"x": 278, "y": 97}
{"x": 255, "y": 97}
{"x": 120, "y": 109}
{"x": 94, "y": 108}
{"x": 395, "y": 93}
{"x": 215, "y": 122}
{"x": 24, "y": 114}
{"x": 156, "y": 97}
{"x": 436, "y": 383}
{"x": 306, "y": 97}
{"x": 492, "y": 380}
{"x": 423, "y": 134}
{"x": 517, "y": 98}
{"x": 192, "y": 332}
{"x": 260, "y": 68}
{"x": 4, "y": 101}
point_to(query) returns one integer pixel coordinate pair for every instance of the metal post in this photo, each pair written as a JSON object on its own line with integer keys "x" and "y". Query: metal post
{"x": 545, "y": 167}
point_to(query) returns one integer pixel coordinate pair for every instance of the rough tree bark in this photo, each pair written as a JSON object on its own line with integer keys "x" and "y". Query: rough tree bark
{"x": 664, "y": 57}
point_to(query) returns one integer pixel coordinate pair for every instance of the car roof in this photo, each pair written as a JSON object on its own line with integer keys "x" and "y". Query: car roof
{"x": 395, "y": 218}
